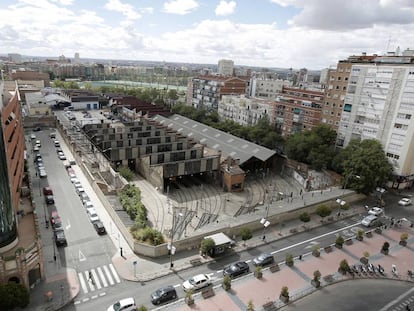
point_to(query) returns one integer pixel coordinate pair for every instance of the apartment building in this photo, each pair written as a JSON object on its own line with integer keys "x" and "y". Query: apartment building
{"x": 225, "y": 67}
{"x": 267, "y": 88}
{"x": 204, "y": 92}
{"x": 21, "y": 255}
{"x": 81, "y": 99}
{"x": 379, "y": 104}
{"x": 297, "y": 109}
{"x": 336, "y": 89}
{"x": 245, "y": 110}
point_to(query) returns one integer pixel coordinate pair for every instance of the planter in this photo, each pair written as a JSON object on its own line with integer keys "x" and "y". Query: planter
{"x": 338, "y": 246}
{"x": 189, "y": 301}
{"x": 378, "y": 230}
{"x": 316, "y": 253}
{"x": 274, "y": 268}
{"x": 360, "y": 238}
{"x": 258, "y": 274}
{"x": 385, "y": 251}
{"x": 349, "y": 242}
{"x": 226, "y": 287}
{"x": 368, "y": 234}
{"x": 284, "y": 299}
{"x": 403, "y": 243}
{"x": 316, "y": 283}
{"x": 328, "y": 249}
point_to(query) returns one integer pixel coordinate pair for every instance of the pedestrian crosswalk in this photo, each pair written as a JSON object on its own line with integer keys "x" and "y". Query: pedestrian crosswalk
{"x": 98, "y": 278}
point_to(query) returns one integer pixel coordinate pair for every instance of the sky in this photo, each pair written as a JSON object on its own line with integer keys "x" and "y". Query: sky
{"x": 311, "y": 34}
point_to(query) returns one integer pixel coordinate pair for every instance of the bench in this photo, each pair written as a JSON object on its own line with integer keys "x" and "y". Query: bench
{"x": 269, "y": 306}
{"x": 274, "y": 268}
{"x": 207, "y": 293}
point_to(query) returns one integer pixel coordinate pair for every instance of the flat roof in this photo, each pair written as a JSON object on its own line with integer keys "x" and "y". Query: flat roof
{"x": 230, "y": 145}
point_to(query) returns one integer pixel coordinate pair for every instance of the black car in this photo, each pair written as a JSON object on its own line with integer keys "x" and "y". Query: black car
{"x": 49, "y": 199}
{"x": 236, "y": 269}
{"x": 263, "y": 260}
{"x": 60, "y": 238}
{"x": 99, "y": 227}
{"x": 163, "y": 294}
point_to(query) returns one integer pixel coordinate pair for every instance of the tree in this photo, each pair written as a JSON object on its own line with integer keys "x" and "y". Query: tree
{"x": 323, "y": 210}
{"x": 13, "y": 295}
{"x": 207, "y": 245}
{"x": 246, "y": 233}
{"x": 315, "y": 147}
{"x": 366, "y": 166}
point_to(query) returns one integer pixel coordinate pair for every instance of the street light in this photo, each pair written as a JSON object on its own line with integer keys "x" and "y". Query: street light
{"x": 265, "y": 222}
{"x": 170, "y": 246}
{"x": 341, "y": 204}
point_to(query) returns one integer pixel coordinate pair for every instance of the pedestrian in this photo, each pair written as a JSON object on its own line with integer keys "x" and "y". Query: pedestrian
{"x": 291, "y": 194}
{"x": 407, "y": 307}
{"x": 36, "y": 173}
{"x": 90, "y": 276}
{"x": 300, "y": 192}
{"x": 312, "y": 194}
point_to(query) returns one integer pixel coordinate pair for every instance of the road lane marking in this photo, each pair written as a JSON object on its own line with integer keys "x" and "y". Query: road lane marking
{"x": 90, "y": 281}
{"x": 111, "y": 266}
{"x": 81, "y": 256}
{"x": 108, "y": 275}
{"x": 101, "y": 274}
{"x": 83, "y": 284}
{"x": 96, "y": 279}
{"x": 314, "y": 238}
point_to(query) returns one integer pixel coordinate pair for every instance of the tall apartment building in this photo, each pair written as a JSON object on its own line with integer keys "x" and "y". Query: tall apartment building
{"x": 204, "y": 92}
{"x": 379, "y": 104}
{"x": 336, "y": 89}
{"x": 244, "y": 110}
{"x": 21, "y": 255}
{"x": 225, "y": 67}
{"x": 297, "y": 110}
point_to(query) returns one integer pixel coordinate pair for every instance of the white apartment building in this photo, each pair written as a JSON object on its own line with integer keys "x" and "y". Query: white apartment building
{"x": 245, "y": 110}
{"x": 267, "y": 88}
{"x": 225, "y": 67}
{"x": 379, "y": 104}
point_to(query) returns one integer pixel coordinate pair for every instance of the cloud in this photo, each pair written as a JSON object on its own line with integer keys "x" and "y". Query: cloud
{"x": 351, "y": 14}
{"x": 124, "y": 8}
{"x": 180, "y": 7}
{"x": 225, "y": 8}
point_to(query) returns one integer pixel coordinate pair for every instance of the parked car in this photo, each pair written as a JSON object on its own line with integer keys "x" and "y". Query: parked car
{"x": 60, "y": 238}
{"x": 404, "y": 202}
{"x": 376, "y": 211}
{"x": 80, "y": 190}
{"x": 163, "y": 294}
{"x": 42, "y": 172}
{"x": 47, "y": 191}
{"x": 84, "y": 197}
{"x": 56, "y": 221}
{"x": 36, "y": 149}
{"x": 93, "y": 216}
{"x": 37, "y": 129}
{"x": 58, "y": 149}
{"x": 32, "y": 136}
{"x": 127, "y": 304}
{"x": 52, "y": 135}
{"x": 49, "y": 199}
{"x": 88, "y": 204}
{"x": 56, "y": 143}
{"x": 99, "y": 227}
{"x": 369, "y": 220}
{"x": 38, "y": 143}
{"x": 197, "y": 282}
{"x": 77, "y": 184}
{"x": 61, "y": 156}
{"x": 236, "y": 269}
{"x": 263, "y": 260}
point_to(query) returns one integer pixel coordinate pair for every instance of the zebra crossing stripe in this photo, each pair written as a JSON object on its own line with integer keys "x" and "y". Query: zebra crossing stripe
{"x": 82, "y": 282}
{"x": 108, "y": 275}
{"x": 114, "y": 273}
{"x": 102, "y": 276}
{"x": 96, "y": 279}
{"x": 91, "y": 286}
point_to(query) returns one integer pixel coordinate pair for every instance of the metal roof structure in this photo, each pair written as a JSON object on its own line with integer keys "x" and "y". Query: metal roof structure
{"x": 229, "y": 145}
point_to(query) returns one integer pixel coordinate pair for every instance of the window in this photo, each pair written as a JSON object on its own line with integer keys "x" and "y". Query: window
{"x": 348, "y": 107}
{"x": 148, "y": 150}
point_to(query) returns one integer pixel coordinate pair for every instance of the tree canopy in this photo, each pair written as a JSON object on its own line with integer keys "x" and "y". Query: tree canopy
{"x": 315, "y": 147}
{"x": 365, "y": 165}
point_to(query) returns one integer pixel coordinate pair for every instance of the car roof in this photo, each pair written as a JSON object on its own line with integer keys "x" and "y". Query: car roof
{"x": 370, "y": 217}
{"x": 199, "y": 277}
{"x": 127, "y": 301}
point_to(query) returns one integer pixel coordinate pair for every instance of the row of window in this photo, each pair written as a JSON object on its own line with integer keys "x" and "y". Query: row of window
{"x": 393, "y": 156}
{"x": 404, "y": 116}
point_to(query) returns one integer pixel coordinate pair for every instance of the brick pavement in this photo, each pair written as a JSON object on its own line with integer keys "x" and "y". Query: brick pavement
{"x": 297, "y": 278}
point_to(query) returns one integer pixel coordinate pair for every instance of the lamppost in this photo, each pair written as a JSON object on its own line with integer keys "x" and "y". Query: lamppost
{"x": 381, "y": 191}
{"x": 170, "y": 246}
{"x": 351, "y": 174}
{"x": 265, "y": 223}
{"x": 341, "y": 204}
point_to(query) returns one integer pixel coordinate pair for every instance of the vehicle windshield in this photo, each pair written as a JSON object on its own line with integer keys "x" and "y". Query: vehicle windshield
{"x": 117, "y": 306}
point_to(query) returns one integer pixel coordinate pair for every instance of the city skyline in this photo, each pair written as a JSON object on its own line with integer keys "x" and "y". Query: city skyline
{"x": 265, "y": 33}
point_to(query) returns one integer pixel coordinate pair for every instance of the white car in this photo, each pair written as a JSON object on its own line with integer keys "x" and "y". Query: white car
{"x": 33, "y": 136}
{"x": 404, "y": 202}
{"x": 93, "y": 216}
{"x": 77, "y": 184}
{"x": 376, "y": 211}
{"x": 61, "y": 156}
{"x": 127, "y": 304}
{"x": 369, "y": 220}
{"x": 197, "y": 282}
{"x": 88, "y": 204}
{"x": 42, "y": 173}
